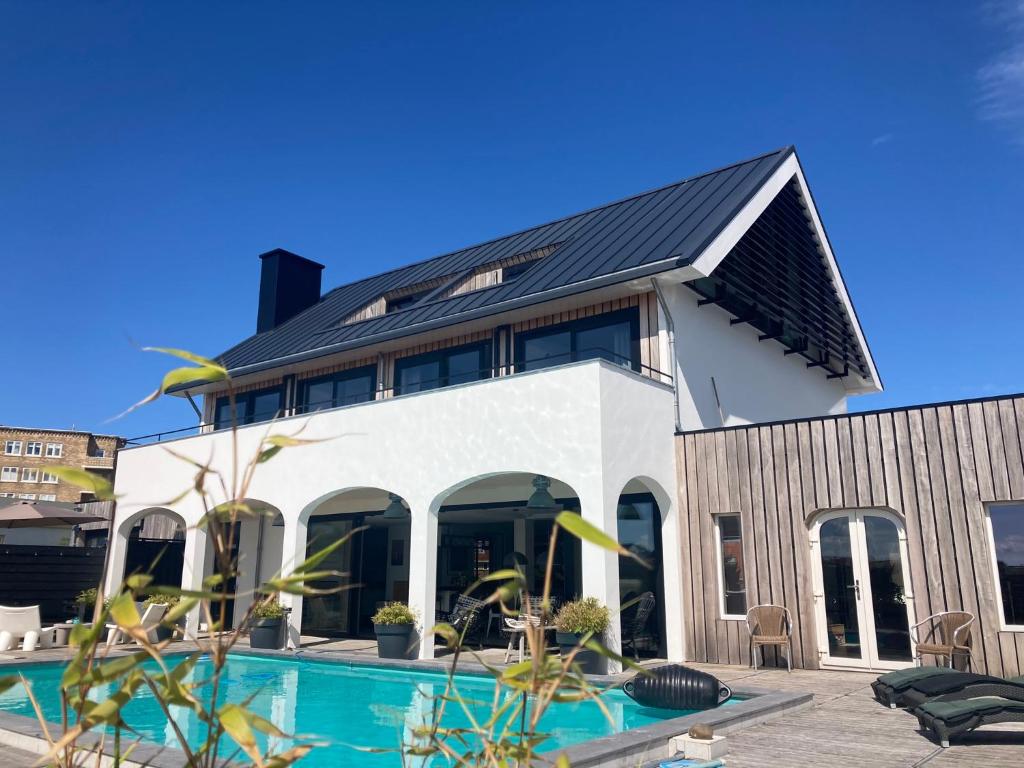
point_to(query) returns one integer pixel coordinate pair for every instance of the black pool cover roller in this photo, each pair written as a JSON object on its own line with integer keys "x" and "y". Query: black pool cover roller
{"x": 674, "y": 686}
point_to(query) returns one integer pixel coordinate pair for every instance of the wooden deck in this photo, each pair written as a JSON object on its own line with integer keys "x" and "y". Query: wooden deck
{"x": 847, "y": 727}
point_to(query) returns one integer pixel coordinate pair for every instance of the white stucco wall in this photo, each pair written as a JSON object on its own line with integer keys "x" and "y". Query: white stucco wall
{"x": 755, "y": 381}
{"x": 591, "y": 425}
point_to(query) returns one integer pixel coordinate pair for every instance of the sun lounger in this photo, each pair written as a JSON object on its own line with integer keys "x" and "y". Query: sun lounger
{"x": 889, "y": 686}
{"x": 963, "y": 686}
{"x": 949, "y": 719}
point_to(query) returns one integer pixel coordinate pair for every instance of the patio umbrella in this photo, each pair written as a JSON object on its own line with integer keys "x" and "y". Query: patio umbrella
{"x": 41, "y": 514}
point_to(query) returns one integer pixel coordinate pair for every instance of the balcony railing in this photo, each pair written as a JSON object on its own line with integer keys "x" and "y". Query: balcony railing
{"x": 428, "y": 385}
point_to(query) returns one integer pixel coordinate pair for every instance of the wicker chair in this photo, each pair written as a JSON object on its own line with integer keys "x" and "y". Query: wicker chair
{"x": 635, "y": 630}
{"x": 948, "y": 636}
{"x": 465, "y": 618}
{"x": 770, "y": 625}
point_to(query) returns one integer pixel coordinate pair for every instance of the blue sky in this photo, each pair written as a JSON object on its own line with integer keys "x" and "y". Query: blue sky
{"x": 149, "y": 152}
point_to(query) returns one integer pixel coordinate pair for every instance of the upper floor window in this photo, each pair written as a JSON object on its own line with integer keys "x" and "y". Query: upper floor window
{"x": 443, "y": 367}
{"x": 614, "y": 336}
{"x": 33, "y": 448}
{"x": 12, "y": 448}
{"x": 49, "y": 478}
{"x": 356, "y": 385}
{"x": 55, "y": 450}
{"x": 9, "y": 475}
{"x": 1007, "y": 526}
{"x": 730, "y": 564}
{"x": 30, "y": 475}
{"x": 250, "y": 407}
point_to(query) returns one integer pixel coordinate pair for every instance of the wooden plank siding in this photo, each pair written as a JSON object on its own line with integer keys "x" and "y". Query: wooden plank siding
{"x": 935, "y": 466}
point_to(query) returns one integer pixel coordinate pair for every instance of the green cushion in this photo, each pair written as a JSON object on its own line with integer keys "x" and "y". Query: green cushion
{"x": 956, "y": 710}
{"x": 910, "y": 675}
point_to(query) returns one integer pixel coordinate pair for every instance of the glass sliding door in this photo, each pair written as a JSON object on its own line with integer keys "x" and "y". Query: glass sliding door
{"x": 863, "y": 607}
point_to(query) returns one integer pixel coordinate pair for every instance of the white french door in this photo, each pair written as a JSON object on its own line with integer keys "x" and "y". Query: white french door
{"x": 863, "y": 604}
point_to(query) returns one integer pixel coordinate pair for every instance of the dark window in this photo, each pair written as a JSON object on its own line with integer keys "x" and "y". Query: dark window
{"x": 1008, "y": 536}
{"x": 443, "y": 367}
{"x": 614, "y": 336}
{"x": 515, "y": 271}
{"x": 730, "y": 541}
{"x": 404, "y": 302}
{"x": 250, "y": 407}
{"x": 356, "y": 385}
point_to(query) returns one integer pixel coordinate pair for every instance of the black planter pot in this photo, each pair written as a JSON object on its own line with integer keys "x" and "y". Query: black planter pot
{"x": 393, "y": 640}
{"x": 266, "y": 633}
{"x": 590, "y": 662}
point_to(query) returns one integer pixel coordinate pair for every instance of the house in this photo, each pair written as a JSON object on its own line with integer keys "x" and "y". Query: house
{"x": 605, "y": 362}
{"x": 26, "y": 451}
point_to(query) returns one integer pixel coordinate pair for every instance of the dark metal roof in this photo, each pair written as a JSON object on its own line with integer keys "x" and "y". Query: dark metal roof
{"x": 649, "y": 233}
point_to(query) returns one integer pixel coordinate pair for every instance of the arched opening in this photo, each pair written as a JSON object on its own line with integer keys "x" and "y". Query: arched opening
{"x": 641, "y": 588}
{"x": 154, "y": 543}
{"x": 504, "y": 521}
{"x": 254, "y": 546}
{"x": 374, "y": 563}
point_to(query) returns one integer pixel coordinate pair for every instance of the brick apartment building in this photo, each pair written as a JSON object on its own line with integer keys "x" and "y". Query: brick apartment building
{"x": 25, "y": 452}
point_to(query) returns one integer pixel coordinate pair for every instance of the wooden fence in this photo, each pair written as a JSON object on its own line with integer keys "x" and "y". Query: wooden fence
{"x": 49, "y": 577}
{"x": 934, "y": 466}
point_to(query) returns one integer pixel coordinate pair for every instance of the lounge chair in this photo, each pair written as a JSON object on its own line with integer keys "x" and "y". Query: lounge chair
{"x": 964, "y": 685}
{"x": 151, "y": 618}
{"x": 948, "y": 637}
{"x": 23, "y": 623}
{"x": 770, "y": 625}
{"x": 947, "y": 719}
{"x": 889, "y": 687}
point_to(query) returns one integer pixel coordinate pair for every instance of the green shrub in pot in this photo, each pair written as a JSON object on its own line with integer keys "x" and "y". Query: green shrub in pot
{"x": 393, "y": 624}
{"x": 577, "y": 621}
{"x": 267, "y": 621}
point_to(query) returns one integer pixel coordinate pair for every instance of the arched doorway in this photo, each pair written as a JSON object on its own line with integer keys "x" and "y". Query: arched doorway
{"x": 499, "y": 521}
{"x": 861, "y": 576}
{"x": 641, "y": 587}
{"x": 155, "y": 544}
{"x": 373, "y": 565}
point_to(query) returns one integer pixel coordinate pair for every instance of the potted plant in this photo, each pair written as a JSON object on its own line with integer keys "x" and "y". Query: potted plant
{"x": 86, "y": 602}
{"x": 164, "y": 631}
{"x": 393, "y": 624}
{"x": 575, "y": 621}
{"x": 265, "y": 629}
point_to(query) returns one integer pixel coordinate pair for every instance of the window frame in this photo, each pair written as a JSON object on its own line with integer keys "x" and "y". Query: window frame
{"x": 363, "y": 371}
{"x": 47, "y": 497}
{"x": 630, "y": 314}
{"x": 247, "y": 398}
{"x": 1004, "y": 626}
{"x": 59, "y": 452}
{"x": 25, "y": 474}
{"x": 45, "y": 478}
{"x": 27, "y": 496}
{"x": 720, "y": 560}
{"x": 17, "y": 452}
{"x": 3, "y": 471}
{"x": 38, "y": 443}
{"x": 441, "y": 356}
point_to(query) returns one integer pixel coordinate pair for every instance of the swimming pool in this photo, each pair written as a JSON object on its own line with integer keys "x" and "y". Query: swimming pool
{"x": 344, "y": 705}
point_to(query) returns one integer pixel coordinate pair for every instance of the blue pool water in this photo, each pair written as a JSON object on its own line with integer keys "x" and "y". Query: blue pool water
{"x": 342, "y": 705}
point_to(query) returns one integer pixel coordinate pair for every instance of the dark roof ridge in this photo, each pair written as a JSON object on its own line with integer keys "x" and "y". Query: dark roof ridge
{"x": 789, "y": 148}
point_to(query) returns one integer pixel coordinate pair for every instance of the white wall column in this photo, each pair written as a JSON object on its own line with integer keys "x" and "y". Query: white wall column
{"x": 293, "y": 552}
{"x": 245, "y": 582}
{"x": 601, "y": 566}
{"x": 192, "y": 570}
{"x": 423, "y": 572}
{"x": 116, "y": 556}
{"x": 672, "y": 575}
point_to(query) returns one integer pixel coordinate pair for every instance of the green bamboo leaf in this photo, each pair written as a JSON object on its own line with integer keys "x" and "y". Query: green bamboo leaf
{"x": 318, "y": 557}
{"x": 268, "y": 453}
{"x": 98, "y": 486}
{"x": 235, "y": 721}
{"x": 139, "y": 581}
{"x": 184, "y": 355}
{"x": 287, "y": 441}
{"x": 6, "y": 683}
{"x": 179, "y": 610}
{"x": 124, "y": 612}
